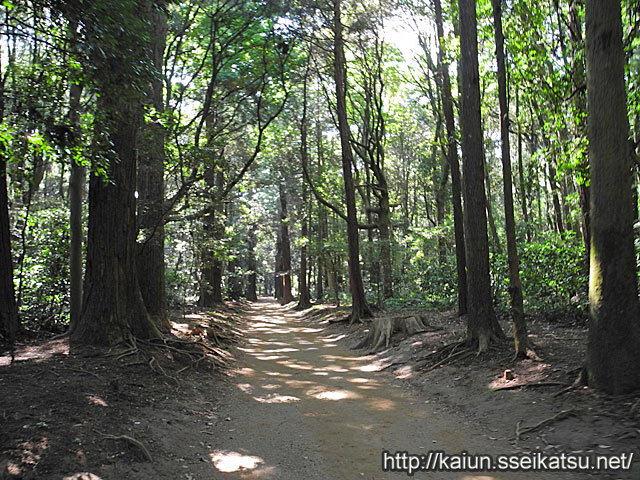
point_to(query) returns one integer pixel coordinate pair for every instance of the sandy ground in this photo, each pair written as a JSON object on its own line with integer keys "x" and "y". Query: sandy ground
{"x": 298, "y": 404}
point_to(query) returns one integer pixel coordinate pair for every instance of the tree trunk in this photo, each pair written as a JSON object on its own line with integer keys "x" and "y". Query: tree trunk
{"x": 252, "y": 290}
{"x": 523, "y": 186}
{"x": 359, "y": 302}
{"x": 287, "y": 296}
{"x": 613, "y": 348}
{"x": 557, "y": 210}
{"x": 384, "y": 221}
{"x": 77, "y": 182}
{"x": 113, "y": 309}
{"x": 304, "y": 301}
{"x": 9, "y": 319}
{"x": 452, "y": 155}
{"x": 150, "y": 259}
{"x": 322, "y": 261}
{"x": 482, "y": 325}
{"x": 211, "y": 284}
{"x": 278, "y": 289}
{"x": 440, "y": 210}
{"x": 521, "y": 339}
{"x": 323, "y": 227}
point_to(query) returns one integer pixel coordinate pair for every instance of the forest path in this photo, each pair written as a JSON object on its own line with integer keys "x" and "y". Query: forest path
{"x": 301, "y": 406}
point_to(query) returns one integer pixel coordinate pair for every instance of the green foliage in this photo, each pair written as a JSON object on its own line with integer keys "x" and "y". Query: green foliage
{"x": 45, "y": 276}
{"x": 553, "y": 271}
{"x": 428, "y": 282}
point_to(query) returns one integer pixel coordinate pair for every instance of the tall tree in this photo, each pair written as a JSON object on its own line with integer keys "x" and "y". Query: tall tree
{"x": 285, "y": 266}
{"x": 9, "y": 320}
{"x": 213, "y": 225}
{"x": 252, "y": 265}
{"x": 452, "y": 155}
{"x": 482, "y": 325}
{"x": 515, "y": 286}
{"x": 613, "y": 350}
{"x": 113, "y": 309}
{"x": 150, "y": 258}
{"x": 360, "y": 307}
{"x": 77, "y": 183}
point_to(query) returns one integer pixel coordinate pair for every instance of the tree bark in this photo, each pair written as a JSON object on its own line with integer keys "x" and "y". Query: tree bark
{"x": 304, "y": 301}
{"x": 482, "y": 325}
{"x": 524, "y": 191}
{"x": 520, "y": 336}
{"x": 211, "y": 284}
{"x": 252, "y": 290}
{"x": 452, "y": 155}
{"x": 360, "y": 308}
{"x": 9, "y": 319}
{"x": 613, "y": 348}
{"x": 440, "y": 210}
{"x": 287, "y": 296}
{"x": 113, "y": 309}
{"x": 150, "y": 259}
{"x": 77, "y": 182}
{"x": 278, "y": 284}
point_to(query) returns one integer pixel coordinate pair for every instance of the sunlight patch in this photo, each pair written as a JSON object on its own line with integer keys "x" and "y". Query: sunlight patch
{"x": 276, "y": 398}
{"x": 245, "y": 387}
{"x": 335, "y": 395}
{"x": 227, "y": 462}
{"x": 381, "y": 404}
{"x": 271, "y": 386}
{"x": 96, "y": 400}
{"x": 82, "y": 476}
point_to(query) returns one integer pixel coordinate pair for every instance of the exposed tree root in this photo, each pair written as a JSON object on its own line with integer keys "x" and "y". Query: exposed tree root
{"x": 300, "y": 306}
{"x": 440, "y": 353}
{"x": 528, "y": 385}
{"x": 456, "y": 356}
{"x": 382, "y": 328}
{"x": 581, "y": 381}
{"x": 340, "y": 319}
{"x": 132, "y": 441}
{"x": 558, "y": 416}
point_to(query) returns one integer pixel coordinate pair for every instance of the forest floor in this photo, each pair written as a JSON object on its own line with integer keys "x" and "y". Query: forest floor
{"x": 297, "y": 402}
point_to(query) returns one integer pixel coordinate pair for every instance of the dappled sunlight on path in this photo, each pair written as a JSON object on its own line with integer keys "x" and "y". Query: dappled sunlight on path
{"x": 304, "y": 407}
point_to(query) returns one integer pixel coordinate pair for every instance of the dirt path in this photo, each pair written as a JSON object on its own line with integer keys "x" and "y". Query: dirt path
{"x": 302, "y": 407}
{"x": 299, "y": 405}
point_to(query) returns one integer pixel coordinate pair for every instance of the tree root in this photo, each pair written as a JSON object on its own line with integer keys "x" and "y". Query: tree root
{"x": 340, "y": 320}
{"x": 455, "y": 356}
{"x": 382, "y": 329}
{"x": 581, "y": 381}
{"x": 132, "y": 441}
{"x": 528, "y": 385}
{"x": 558, "y": 416}
{"x": 440, "y": 353}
